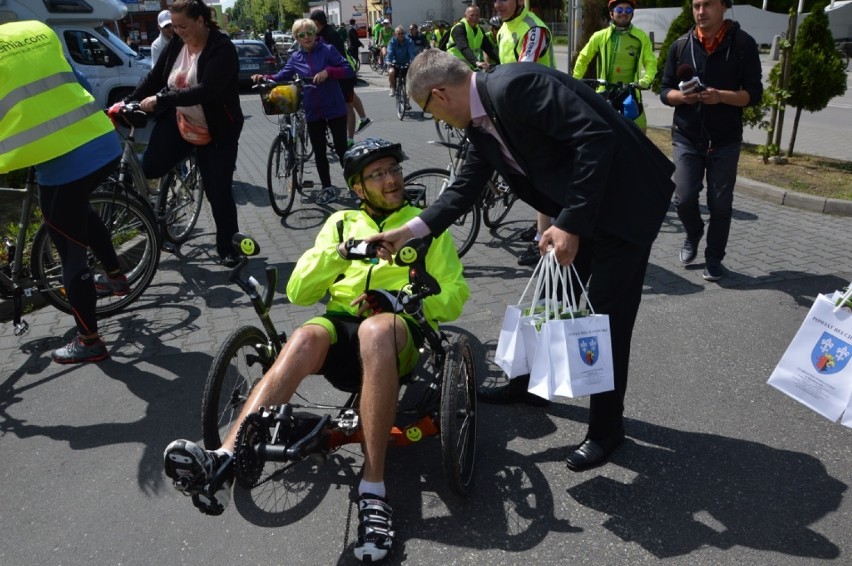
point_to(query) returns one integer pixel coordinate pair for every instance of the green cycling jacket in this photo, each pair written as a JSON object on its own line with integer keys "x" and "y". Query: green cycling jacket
{"x": 622, "y": 55}
{"x": 321, "y": 269}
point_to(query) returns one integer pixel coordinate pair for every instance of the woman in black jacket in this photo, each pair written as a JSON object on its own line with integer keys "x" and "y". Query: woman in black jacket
{"x": 194, "y": 91}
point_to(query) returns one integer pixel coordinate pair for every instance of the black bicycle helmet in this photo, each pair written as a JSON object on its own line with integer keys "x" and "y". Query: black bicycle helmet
{"x": 366, "y": 151}
{"x": 496, "y": 22}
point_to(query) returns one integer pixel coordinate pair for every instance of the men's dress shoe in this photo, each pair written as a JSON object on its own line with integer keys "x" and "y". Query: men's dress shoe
{"x": 688, "y": 252}
{"x": 713, "y": 272}
{"x": 513, "y": 392}
{"x": 593, "y": 453}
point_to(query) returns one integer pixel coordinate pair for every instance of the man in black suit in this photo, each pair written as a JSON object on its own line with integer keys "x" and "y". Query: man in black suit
{"x": 568, "y": 154}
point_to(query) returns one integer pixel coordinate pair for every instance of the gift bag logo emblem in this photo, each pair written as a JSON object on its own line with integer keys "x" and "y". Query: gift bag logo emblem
{"x": 588, "y": 350}
{"x": 830, "y": 354}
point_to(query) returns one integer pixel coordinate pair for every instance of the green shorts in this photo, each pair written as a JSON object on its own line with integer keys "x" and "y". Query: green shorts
{"x": 342, "y": 367}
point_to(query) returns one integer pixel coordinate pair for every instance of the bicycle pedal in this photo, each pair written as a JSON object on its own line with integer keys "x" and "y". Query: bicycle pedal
{"x": 307, "y": 184}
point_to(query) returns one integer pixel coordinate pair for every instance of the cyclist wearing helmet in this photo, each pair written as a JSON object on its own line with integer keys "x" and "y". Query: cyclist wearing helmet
{"x": 625, "y": 53}
{"x": 362, "y": 323}
{"x": 523, "y": 36}
{"x": 382, "y": 36}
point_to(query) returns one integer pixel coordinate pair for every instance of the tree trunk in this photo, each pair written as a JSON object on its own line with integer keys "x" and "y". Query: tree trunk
{"x": 793, "y": 133}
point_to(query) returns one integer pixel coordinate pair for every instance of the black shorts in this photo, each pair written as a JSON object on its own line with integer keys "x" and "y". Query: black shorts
{"x": 342, "y": 366}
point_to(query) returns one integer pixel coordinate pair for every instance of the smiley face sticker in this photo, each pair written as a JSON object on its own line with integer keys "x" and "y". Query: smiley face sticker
{"x": 247, "y": 246}
{"x": 408, "y": 254}
{"x": 414, "y": 434}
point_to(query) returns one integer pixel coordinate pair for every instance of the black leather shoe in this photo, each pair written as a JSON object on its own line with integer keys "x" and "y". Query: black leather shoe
{"x": 513, "y": 392}
{"x": 688, "y": 252}
{"x": 592, "y": 453}
{"x": 530, "y": 256}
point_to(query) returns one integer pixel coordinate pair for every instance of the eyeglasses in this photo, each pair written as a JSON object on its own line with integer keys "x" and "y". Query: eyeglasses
{"x": 401, "y": 33}
{"x": 395, "y": 170}
{"x": 429, "y": 99}
{"x": 621, "y": 10}
{"x": 304, "y": 34}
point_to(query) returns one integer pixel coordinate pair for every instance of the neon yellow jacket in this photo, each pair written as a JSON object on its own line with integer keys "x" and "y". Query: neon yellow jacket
{"x": 44, "y": 111}
{"x": 321, "y": 269}
{"x": 633, "y": 52}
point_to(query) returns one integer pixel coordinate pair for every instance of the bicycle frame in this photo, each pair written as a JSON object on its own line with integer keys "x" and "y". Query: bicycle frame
{"x": 12, "y": 275}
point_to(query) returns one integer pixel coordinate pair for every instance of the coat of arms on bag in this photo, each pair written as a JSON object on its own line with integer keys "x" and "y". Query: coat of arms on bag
{"x": 588, "y": 350}
{"x": 830, "y": 354}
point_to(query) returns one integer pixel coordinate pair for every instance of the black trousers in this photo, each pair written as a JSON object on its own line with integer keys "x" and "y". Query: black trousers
{"x": 216, "y": 162}
{"x": 617, "y": 271}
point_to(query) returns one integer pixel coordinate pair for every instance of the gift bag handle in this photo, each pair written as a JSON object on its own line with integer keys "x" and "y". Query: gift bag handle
{"x": 844, "y": 299}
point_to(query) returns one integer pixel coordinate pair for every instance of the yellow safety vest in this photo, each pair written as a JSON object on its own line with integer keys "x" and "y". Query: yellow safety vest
{"x": 44, "y": 111}
{"x": 512, "y": 32}
{"x": 474, "y": 41}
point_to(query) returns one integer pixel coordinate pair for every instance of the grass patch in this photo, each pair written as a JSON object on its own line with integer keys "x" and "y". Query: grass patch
{"x": 819, "y": 176}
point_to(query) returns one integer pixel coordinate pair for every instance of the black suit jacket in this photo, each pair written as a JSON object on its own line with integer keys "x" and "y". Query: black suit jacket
{"x": 583, "y": 163}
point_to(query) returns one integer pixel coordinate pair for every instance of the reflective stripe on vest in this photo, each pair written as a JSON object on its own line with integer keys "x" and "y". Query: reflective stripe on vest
{"x": 24, "y": 92}
{"x": 50, "y": 127}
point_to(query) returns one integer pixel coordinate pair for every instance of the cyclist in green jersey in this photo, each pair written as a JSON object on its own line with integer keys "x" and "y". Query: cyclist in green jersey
{"x": 626, "y": 53}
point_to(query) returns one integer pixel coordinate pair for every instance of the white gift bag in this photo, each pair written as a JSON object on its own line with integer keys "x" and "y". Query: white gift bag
{"x": 574, "y": 354}
{"x": 815, "y": 368}
{"x": 514, "y": 353}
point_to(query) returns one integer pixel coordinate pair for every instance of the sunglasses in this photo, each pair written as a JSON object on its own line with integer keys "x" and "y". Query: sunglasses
{"x": 621, "y": 10}
{"x": 304, "y": 34}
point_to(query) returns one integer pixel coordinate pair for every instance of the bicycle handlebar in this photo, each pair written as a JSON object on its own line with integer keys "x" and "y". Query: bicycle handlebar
{"x": 608, "y": 84}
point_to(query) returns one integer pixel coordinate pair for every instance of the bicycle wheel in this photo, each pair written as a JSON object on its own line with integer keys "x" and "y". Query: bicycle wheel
{"x": 179, "y": 200}
{"x": 374, "y": 61}
{"x": 304, "y": 149}
{"x": 497, "y": 202}
{"x": 280, "y": 167}
{"x": 239, "y": 365}
{"x": 458, "y": 416}
{"x": 401, "y": 99}
{"x": 423, "y": 187}
{"x": 134, "y": 236}
{"x": 447, "y": 133}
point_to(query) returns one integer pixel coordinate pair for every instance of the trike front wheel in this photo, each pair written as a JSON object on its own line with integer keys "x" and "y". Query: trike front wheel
{"x": 458, "y": 416}
{"x": 241, "y": 362}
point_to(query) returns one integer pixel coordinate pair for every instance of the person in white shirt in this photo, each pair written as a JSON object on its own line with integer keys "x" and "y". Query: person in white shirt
{"x": 167, "y": 31}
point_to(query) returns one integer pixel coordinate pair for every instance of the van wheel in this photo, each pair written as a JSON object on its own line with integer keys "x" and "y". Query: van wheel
{"x": 117, "y": 94}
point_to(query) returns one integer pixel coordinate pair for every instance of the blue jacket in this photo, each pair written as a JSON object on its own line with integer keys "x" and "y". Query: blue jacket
{"x": 400, "y": 54}
{"x": 323, "y": 101}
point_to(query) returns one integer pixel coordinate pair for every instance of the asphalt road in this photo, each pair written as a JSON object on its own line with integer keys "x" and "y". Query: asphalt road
{"x": 718, "y": 468}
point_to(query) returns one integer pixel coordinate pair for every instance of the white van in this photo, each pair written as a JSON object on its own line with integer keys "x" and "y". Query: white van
{"x": 113, "y": 69}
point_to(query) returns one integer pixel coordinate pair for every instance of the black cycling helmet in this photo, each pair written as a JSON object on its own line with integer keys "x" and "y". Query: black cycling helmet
{"x": 366, "y": 151}
{"x": 496, "y": 22}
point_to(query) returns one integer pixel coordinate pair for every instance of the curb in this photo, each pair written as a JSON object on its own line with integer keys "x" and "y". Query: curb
{"x": 783, "y": 197}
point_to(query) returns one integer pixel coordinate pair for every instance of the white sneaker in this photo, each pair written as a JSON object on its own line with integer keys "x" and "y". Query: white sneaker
{"x": 375, "y": 528}
{"x": 190, "y": 468}
{"x": 390, "y": 92}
